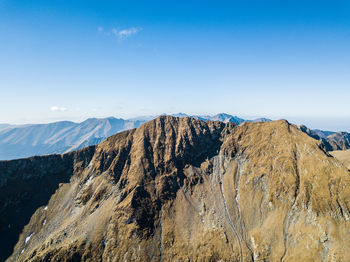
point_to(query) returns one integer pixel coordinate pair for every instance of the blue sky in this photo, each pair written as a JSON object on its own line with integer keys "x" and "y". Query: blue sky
{"x": 77, "y": 59}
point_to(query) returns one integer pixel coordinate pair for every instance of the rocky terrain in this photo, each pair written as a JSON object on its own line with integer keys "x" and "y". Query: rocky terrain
{"x": 65, "y": 136}
{"x": 27, "y": 184}
{"x": 339, "y": 141}
{"x": 19, "y": 141}
{"x": 180, "y": 189}
{"x": 331, "y": 140}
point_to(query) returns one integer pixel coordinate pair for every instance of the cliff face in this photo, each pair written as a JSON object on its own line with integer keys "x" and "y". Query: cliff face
{"x": 27, "y": 184}
{"x": 339, "y": 141}
{"x": 187, "y": 190}
{"x": 331, "y": 141}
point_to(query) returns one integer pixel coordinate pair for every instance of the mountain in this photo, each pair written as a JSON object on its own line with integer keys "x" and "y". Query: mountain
{"x": 27, "y": 184}
{"x": 262, "y": 119}
{"x": 55, "y": 138}
{"x": 331, "y": 140}
{"x": 180, "y": 115}
{"x": 58, "y": 137}
{"x": 312, "y": 133}
{"x": 4, "y": 126}
{"x": 339, "y": 141}
{"x": 227, "y": 118}
{"x": 180, "y": 189}
{"x": 322, "y": 133}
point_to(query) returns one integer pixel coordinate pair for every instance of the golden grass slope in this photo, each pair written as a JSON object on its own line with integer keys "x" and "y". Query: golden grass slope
{"x": 343, "y": 156}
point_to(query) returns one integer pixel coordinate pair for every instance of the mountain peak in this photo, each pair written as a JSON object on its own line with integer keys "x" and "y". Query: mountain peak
{"x": 173, "y": 184}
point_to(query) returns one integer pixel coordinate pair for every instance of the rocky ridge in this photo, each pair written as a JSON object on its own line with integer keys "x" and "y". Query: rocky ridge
{"x": 332, "y": 141}
{"x": 27, "y": 184}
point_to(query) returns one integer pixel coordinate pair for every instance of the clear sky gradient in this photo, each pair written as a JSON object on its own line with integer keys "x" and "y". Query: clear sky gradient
{"x": 81, "y": 58}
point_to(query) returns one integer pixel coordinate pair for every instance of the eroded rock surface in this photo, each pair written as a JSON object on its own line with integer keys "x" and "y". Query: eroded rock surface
{"x": 27, "y": 184}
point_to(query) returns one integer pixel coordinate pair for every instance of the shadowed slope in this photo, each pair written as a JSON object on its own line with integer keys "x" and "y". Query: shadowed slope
{"x": 27, "y": 184}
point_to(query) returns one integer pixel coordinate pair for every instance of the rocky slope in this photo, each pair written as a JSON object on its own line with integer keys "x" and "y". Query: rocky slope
{"x": 19, "y": 141}
{"x": 186, "y": 190}
{"x": 331, "y": 140}
{"x": 27, "y": 184}
{"x": 339, "y": 141}
{"x": 226, "y": 118}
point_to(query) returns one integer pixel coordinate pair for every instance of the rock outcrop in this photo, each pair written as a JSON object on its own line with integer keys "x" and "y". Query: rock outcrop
{"x": 27, "y": 184}
{"x": 187, "y": 190}
{"x": 339, "y": 141}
{"x": 331, "y": 141}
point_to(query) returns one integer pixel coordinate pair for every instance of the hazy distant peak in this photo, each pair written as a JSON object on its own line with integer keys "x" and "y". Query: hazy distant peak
{"x": 262, "y": 119}
{"x": 180, "y": 115}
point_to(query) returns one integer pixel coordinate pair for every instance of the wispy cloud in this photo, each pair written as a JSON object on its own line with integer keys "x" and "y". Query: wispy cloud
{"x": 121, "y": 34}
{"x": 58, "y": 109}
{"x": 126, "y": 33}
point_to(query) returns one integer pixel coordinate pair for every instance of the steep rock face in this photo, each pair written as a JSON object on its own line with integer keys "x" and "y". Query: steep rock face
{"x": 319, "y": 135}
{"x": 27, "y": 184}
{"x": 330, "y": 140}
{"x": 339, "y": 141}
{"x": 187, "y": 190}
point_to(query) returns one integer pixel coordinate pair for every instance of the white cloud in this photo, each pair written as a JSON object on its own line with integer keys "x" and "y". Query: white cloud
{"x": 100, "y": 29}
{"x": 125, "y": 33}
{"x": 58, "y": 109}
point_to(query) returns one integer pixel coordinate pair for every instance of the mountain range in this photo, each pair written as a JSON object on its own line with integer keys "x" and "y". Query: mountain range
{"x": 180, "y": 189}
{"x": 66, "y": 136}
{"x": 59, "y": 137}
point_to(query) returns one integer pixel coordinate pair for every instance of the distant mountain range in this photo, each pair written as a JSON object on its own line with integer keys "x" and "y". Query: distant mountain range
{"x": 4, "y": 126}
{"x": 20, "y": 141}
{"x": 59, "y": 137}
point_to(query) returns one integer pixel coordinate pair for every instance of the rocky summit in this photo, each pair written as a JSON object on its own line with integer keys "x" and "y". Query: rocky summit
{"x": 180, "y": 189}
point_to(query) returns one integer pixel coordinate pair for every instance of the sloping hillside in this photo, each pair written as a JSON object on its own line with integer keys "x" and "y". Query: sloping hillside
{"x": 343, "y": 156}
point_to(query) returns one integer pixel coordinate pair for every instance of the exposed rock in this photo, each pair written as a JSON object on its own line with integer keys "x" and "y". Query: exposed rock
{"x": 339, "y": 141}
{"x": 27, "y": 184}
{"x": 330, "y": 140}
